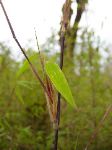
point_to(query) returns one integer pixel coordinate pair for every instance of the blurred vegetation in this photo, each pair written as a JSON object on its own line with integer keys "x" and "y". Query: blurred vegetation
{"x": 24, "y": 119}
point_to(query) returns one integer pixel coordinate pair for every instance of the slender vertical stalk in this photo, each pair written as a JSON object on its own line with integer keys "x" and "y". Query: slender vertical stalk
{"x": 62, "y": 40}
{"x": 66, "y": 12}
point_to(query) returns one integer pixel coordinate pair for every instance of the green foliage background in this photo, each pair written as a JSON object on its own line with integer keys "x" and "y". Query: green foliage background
{"x": 24, "y": 118}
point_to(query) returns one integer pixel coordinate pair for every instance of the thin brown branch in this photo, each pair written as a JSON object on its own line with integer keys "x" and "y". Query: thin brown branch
{"x": 96, "y": 131}
{"x": 19, "y": 45}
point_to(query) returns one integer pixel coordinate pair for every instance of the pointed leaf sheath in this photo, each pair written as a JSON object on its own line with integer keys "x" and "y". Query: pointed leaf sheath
{"x": 59, "y": 81}
{"x": 51, "y": 100}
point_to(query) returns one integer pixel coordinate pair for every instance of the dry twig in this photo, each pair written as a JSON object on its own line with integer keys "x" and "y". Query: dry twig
{"x": 95, "y": 133}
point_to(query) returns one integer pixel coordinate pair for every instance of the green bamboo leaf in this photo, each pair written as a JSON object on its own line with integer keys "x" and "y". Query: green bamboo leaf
{"x": 25, "y": 66}
{"x": 22, "y": 69}
{"x": 27, "y": 84}
{"x": 59, "y": 81}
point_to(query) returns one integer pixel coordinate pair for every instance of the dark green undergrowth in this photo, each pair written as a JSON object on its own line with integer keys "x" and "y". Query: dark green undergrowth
{"x": 24, "y": 119}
